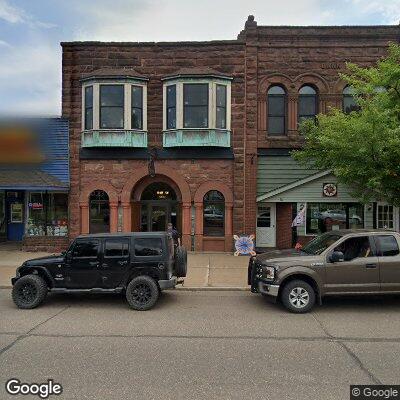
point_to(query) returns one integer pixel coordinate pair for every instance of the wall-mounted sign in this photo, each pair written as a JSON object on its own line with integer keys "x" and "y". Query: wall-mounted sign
{"x": 244, "y": 245}
{"x": 36, "y": 206}
{"x": 329, "y": 189}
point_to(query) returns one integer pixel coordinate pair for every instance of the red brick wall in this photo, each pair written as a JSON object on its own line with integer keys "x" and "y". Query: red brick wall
{"x": 50, "y": 244}
{"x": 283, "y": 225}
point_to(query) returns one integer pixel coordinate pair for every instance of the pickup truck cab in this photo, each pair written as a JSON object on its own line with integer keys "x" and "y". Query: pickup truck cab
{"x": 137, "y": 264}
{"x": 339, "y": 262}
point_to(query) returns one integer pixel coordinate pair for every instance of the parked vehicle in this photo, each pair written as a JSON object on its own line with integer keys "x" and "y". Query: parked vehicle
{"x": 140, "y": 265}
{"x": 334, "y": 263}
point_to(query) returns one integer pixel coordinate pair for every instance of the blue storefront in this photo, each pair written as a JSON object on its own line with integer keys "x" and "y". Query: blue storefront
{"x": 34, "y": 180}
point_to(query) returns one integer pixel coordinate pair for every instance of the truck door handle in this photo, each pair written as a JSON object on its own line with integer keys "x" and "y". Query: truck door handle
{"x": 93, "y": 263}
{"x": 122, "y": 262}
{"x": 372, "y": 265}
{"x": 104, "y": 265}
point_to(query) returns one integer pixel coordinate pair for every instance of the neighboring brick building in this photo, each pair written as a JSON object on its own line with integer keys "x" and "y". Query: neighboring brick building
{"x": 182, "y": 131}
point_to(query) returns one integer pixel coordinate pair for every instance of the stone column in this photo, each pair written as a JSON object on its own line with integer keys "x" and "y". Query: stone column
{"x": 292, "y": 113}
{"x": 186, "y": 225}
{"x": 84, "y": 207}
{"x": 228, "y": 226}
{"x": 126, "y": 217}
{"x": 113, "y": 216}
{"x": 198, "y": 238}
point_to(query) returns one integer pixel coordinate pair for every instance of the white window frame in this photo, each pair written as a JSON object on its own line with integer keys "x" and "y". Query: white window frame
{"x": 212, "y": 102}
{"x": 127, "y": 103}
{"x": 395, "y": 215}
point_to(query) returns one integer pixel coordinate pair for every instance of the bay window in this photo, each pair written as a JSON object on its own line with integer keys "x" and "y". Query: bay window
{"x": 195, "y": 105}
{"x": 171, "y": 107}
{"x": 112, "y": 106}
{"x": 137, "y": 107}
{"x": 221, "y": 107}
{"x": 89, "y": 107}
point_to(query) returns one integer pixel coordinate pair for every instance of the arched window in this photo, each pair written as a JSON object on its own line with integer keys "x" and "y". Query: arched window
{"x": 214, "y": 214}
{"x": 99, "y": 212}
{"x": 277, "y": 106}
{"x": 308, "y": 103}
{"x": 349, "y": 102}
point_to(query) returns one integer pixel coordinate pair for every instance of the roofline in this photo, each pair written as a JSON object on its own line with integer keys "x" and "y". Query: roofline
{"x": 292, "y": 185}
{"x": 327, "y": 26}
{"x": 175, "y": 43}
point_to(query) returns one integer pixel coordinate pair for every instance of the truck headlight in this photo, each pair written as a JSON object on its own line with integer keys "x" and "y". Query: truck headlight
{"x": 268, "y": 273}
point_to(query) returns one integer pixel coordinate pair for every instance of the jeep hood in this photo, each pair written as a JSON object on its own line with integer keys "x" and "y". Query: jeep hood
{"x": 56, "y": 258}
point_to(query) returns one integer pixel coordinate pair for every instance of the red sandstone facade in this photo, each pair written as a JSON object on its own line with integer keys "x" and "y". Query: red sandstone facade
{"x": 260, "y": 57}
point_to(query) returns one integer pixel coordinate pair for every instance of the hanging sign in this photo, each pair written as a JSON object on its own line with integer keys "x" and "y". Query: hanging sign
{"x": 244, "y": 245}
{"x": 300, "y": 217}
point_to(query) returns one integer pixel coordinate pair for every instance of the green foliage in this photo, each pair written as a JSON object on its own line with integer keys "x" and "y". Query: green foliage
{"x": 362, "y": 148}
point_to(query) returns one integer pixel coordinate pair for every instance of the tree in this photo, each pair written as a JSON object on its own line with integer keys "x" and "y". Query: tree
{"x": 362, "y": 148}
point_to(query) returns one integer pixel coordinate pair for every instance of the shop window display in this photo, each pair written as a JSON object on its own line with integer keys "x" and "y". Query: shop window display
{"x": 47, "y": 214}
{"x": 325, "y": 217}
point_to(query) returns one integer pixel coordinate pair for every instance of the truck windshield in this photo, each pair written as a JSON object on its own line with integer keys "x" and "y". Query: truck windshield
{"x": 320, "y": 243}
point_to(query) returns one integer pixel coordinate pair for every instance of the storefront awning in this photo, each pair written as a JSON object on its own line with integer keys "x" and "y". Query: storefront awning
{"x": 25, "y": 179}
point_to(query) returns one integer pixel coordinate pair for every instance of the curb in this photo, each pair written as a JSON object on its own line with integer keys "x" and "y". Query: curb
{"x": 189, "y": 288}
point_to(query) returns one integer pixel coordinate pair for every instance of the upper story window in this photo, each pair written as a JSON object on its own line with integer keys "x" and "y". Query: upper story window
{"x": 277, "y": 110}
{"x": 308, "y": 103}
{"x": 111, "y": 106}
{"x": 197, "y": 102}
{"x": 195, "y": 105}
{"x": 114, "y": 103}
{"x": 349, "y": 102}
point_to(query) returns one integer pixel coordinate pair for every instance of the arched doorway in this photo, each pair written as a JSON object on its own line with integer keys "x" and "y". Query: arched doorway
{"x": 99, "y": 212}
{"x": 156, "y": 202}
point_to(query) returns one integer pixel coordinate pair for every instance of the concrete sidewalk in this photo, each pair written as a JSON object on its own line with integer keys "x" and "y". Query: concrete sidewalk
{"x": 205, "y": 270}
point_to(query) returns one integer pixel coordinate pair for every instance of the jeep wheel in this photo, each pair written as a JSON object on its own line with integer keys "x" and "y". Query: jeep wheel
{"x": 298, "y": 296}
{"x": 29, "y": 291}
{"x": 142, "y": 293}
{"x": 181, "y": 262}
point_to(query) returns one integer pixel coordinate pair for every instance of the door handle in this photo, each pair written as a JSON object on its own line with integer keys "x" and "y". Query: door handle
{"x": 104, "y": 265}
{"x": 93, "y": 263}
{"x": 372, "y": 265}
{"x": 122, "y": 262}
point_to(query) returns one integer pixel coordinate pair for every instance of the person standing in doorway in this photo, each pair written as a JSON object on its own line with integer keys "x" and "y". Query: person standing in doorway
{"x": 174, "y": 234}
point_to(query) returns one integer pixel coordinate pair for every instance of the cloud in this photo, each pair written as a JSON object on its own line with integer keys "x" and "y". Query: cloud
{"x": 15, "y": 15}
{"x": 4, "y": 43}
{"x": 388, "y": 9}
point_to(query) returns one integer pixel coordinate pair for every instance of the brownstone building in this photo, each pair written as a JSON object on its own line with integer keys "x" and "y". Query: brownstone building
{"x": 199, "y": 133}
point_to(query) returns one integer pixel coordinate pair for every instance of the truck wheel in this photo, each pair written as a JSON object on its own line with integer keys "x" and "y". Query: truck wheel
{"x": 181, "y": 262}
{"x": 29, "y": 291}
{"x": 142, "y": 293}
{"x": 298, "y": 296}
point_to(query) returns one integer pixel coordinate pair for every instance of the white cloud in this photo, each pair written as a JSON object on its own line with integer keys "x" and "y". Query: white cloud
{"x": 389, "y": 9}
{"x": 4, "y": 43}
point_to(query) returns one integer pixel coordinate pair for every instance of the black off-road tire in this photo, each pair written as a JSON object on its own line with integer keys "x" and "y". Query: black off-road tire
{"x": 29, "y": 291}
{"x": 181, "y": 262}
{"x": 298, "y": 296}
{"x": 142, "y": 293}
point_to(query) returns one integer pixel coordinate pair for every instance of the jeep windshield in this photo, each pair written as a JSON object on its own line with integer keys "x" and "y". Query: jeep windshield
{"x": 320, "y": 243}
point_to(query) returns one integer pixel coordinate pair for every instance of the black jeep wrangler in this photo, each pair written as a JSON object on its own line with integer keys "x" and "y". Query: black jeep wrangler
{"x": 137, "y": 264}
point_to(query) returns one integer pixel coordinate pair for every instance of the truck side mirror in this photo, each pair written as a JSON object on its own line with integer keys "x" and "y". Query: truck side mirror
{"x": 336, "y": 256}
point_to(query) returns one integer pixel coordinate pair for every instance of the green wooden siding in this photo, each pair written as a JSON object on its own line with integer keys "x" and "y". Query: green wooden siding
{"x": 277, "y": 171}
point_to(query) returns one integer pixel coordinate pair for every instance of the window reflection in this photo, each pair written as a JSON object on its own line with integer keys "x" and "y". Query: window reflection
{"x": 214, "y": 214}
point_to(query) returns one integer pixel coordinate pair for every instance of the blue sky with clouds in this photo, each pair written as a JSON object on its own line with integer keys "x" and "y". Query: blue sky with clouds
{"x": 30, "y": 32}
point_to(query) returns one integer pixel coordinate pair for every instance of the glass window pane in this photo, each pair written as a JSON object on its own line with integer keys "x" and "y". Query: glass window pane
{"x": 349, "y": 104}
{"x": 116, "y": 248}
{"x": 221, "y": 96}
{"x": 276, "y": 125}
{"x": 112, "y": 95}
{"x": 307, "y": 105}
{"x": 276, "y": 105}
{"x": 148, "y": 247}
{"x": 57, "y": 214}
{"x": 137, "y": 121}
{"x": 2, "y": 213}
{"x": 89, "y": 118}
{"x": 112, "y": 117}
{"x": 196, "y": 117}
{"x": 276, "y": 90}
{"x": 387, "y": 246}
{"x": 171, "y": 96}
{"x": 99, "y": 212}
{"x": 171, "y": 118}
{"x": 308, "y": 90}
{"x": 221, "y": 118}
{"x": 137, "y": 96}
{"x": 87, "y": 249}
{"x": 214, "y": 214}
{"x": 356, "y": 247}
{"x": 195, "y": 94}
{"x": 89, "y": 97}
{"x": 36, "y": 225}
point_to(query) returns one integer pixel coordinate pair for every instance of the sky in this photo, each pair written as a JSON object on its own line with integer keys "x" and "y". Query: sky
{"x": 31, "y": 32}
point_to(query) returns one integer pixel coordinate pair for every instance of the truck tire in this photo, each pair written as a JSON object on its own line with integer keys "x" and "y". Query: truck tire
{"x": 181, "y": 262}
{"x": 29, "y": 291}
{"x": 142, "y": 293}
{"x": 298, "y": 296}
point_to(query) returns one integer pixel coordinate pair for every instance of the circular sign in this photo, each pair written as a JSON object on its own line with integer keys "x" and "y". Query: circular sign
{"x": 329, "y": 189}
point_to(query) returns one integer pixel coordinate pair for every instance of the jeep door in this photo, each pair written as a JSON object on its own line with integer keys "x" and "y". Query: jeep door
{"x": 389, "y": 261}
{"x": 115, "y": 261}
{"x": 358, "y": 272}
{"x": 81, "y": 267}
{"x": 149, "y": 254}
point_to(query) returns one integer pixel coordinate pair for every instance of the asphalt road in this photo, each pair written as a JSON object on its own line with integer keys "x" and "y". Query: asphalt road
{"x": 200, "y": 345}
